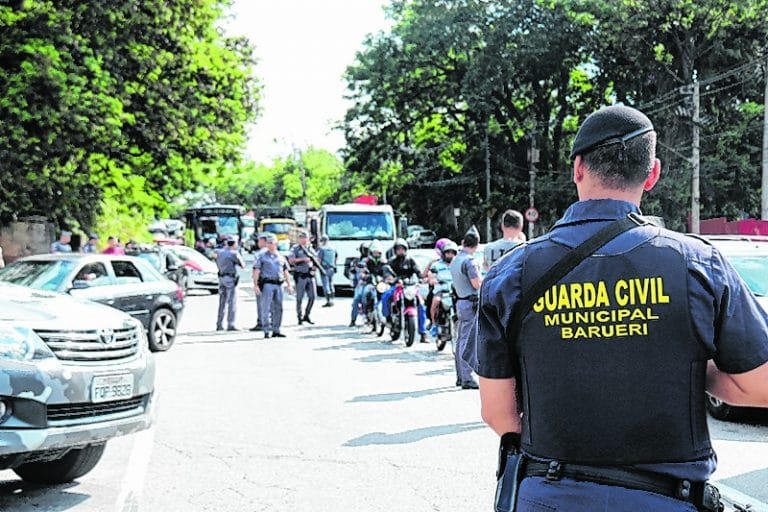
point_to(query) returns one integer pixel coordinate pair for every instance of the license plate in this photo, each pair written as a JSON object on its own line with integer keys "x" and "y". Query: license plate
{"x": 105, "y": 388}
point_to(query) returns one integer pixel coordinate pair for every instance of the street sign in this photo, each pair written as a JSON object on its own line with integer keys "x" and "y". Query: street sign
{"x": 531, "y": 214}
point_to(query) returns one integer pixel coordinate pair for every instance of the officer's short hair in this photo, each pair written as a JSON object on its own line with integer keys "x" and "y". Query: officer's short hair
{"x": 470, "y": 240}
{"x": 620, "y": 167}
{"x": 512, "y": 219}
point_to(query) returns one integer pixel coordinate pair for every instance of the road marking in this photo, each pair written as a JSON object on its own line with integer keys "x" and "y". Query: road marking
{"x": 132, "y": 486}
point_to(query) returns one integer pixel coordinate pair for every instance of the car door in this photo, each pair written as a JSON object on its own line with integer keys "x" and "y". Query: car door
{"x": 93, "y": 281}
{"x": 131, "y": 293}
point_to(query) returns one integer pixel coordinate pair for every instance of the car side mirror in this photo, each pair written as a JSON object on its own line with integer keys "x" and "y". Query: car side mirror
{"x": 80, "y": 284}
{"x": 172, "y": 267}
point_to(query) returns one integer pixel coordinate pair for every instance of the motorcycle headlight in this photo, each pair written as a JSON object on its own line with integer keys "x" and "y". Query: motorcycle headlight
{"x": 22, "y": 344}
{"x": 410, "y": 293}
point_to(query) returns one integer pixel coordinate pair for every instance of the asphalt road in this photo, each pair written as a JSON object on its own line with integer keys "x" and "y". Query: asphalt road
{"x": 328, "y": 419}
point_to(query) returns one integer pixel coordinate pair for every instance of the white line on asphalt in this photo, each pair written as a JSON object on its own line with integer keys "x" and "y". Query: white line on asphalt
{"x": 132, "y": 486}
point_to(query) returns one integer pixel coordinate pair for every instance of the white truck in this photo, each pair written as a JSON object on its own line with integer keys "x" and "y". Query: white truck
{"x": 349, "y": 225}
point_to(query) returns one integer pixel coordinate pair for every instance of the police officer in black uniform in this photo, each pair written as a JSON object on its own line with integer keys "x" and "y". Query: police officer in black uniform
{"x": 611, "y": 361}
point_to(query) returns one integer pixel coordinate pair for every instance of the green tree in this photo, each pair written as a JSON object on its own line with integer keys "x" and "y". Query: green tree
{"x": 117, "y": 105}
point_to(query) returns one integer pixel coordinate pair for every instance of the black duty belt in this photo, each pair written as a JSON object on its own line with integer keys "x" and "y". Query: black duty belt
{"x": 271, "y": 281}
{"x": 701, "y": 494}
{"x": 471, "y": 298}
{"x": 227, "y": 274}
{"x": 302, "y": 275}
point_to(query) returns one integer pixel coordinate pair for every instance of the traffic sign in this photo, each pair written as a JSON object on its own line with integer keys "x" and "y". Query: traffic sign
{"x": 531, "y": 214}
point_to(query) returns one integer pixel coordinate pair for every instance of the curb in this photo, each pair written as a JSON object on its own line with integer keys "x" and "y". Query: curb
{"x": 738, "y": 501}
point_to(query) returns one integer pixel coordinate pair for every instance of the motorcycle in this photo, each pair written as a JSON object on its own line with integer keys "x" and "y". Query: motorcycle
{"x": 404, "y": 312}
{"x": 446, "y": 321}
{"x": 372, "y": 307}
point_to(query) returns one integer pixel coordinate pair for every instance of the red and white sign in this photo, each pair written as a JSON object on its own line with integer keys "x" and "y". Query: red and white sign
{"x": 531, "y": 214}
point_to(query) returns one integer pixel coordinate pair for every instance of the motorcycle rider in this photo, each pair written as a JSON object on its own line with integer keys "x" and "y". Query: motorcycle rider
{"x": 357, "y": 273}
{"x": 405, "y": 267}
{"x": 375, "y": 267}
{"x": 441, "y": 279}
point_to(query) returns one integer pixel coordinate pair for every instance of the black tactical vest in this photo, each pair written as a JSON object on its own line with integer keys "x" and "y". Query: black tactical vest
{"x": 610, "y": 369}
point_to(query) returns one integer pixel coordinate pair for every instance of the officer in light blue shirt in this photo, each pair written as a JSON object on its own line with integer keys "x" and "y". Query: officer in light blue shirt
{"x": 62, "y": 244}
{"x": 601, "y": 383}
{"x": 270, "y": 271}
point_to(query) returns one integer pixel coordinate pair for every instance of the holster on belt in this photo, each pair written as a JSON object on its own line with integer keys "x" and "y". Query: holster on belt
{"x": 509, "y": 473}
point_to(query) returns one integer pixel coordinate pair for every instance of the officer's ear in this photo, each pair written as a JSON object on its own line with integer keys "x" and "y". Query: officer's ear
{"x": 653, "y": 176}
{"x": 578, "y": 170}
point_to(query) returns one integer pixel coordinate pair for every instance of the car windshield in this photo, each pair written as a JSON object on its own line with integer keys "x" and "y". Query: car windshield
{"x": 152, "y": 257}
{"x": 359, "y": 226}
{"x": 754, "y": 271}
{"x": 43, "y": 275}
{"x": 278, "y": 227}
{"x": 227, "y": 225}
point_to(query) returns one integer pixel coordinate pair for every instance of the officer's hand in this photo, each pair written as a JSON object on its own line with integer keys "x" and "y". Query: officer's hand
{"x": 257, "y": 290}
{"x": 290, "y": 290}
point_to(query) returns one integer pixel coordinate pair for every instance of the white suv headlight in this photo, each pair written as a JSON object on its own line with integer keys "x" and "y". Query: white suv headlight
{"x": 21, "y": 344}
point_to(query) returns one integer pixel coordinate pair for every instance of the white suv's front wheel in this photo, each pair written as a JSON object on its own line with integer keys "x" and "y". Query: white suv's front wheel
{"x": 71, "y": 466}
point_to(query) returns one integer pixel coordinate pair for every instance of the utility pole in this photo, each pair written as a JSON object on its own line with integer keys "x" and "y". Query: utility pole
{"x": 764, "y": 194}
{"x": 533, "y": 159}
{"x": 488, "y": 234}
{"x": 695, "y": 193}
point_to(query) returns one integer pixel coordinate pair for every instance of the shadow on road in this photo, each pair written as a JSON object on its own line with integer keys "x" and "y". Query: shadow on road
{"x": 412, "y": 436}
{"x": 753, "y": 481}
{"x": 393, "y": 397}
{"x": 402, "y": 357}
{"x": 442, "y": 371}
{"x": 373, "y": 344}
{"x": 751, "y": 427}
{"x": 21, "y": 496}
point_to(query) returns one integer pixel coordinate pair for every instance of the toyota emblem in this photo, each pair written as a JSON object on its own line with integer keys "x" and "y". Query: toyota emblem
{"x": 107, "y": 336}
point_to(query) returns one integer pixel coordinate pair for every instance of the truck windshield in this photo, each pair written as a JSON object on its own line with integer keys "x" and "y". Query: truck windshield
{"x": 359, "y": 226}
{"x": 278, "y": 228}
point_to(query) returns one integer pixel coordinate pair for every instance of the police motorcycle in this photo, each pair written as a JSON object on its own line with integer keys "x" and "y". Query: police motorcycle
{"x": 404, "y": 311}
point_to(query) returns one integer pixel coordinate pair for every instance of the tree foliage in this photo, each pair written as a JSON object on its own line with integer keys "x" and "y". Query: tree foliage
{"x": 117, "y": 105}
{"x": 454, "y": 77}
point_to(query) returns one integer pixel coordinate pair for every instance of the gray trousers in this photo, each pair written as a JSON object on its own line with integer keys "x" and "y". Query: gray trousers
{"x": 271, "y": 307}
{"x": 258, "y": 310}
{"x": 466, "y": 314}
{"x": 305, "y": 285}
{"x": 228, "y": 300}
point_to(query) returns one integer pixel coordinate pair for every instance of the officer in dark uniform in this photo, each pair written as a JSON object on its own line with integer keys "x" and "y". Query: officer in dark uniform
{"x": 270, "y": 272}
{"x": 611, "y": 362}
{"x": 228, "y": 260}
{"x": 304, "y": 274}
{"x": 465, "y": 272}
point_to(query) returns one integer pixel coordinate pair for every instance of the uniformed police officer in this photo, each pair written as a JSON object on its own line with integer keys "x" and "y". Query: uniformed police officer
{"x": 270, "y": 271}
{"x": 62, "y": 244}
{"x": 304, "y": 274}
{"x": 228, "y": 260}
{"x": 328, "y": 259}
{"x": 261, "y": 241}
{"x": 511, "y": 229}
{"x": 466, "y": 281}
{"x": 613, "y": 359}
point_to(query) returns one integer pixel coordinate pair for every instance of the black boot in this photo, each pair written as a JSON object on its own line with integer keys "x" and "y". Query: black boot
{"x": 306, "y": 319}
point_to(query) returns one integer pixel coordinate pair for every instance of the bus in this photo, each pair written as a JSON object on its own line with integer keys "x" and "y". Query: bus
{"x": 217, "y": 221}
{"x": 349, "y": 225}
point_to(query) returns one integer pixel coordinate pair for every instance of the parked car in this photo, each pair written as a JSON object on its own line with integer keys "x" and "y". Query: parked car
{"x": 749, "y": 256}
{"x": 203, "y": 272}
{"x": 165, "y": 261}
{"x": 129, "y": 284}
{"x": 75, "y": 374}
{"x": 422, "y": 238}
